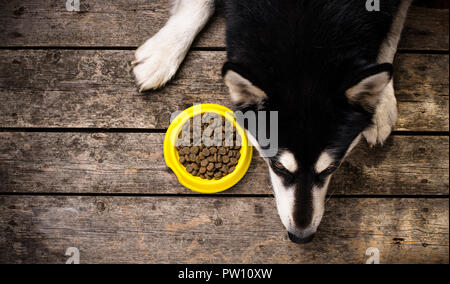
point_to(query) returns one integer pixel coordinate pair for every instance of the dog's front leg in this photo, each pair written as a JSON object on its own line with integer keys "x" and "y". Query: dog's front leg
{"x": 386, "y": 113}
{"x": 384, "y": 119}
{"x": 159, "y": 58}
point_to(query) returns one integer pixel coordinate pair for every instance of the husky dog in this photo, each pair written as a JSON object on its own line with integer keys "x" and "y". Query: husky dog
{"x": 325, "y": 66}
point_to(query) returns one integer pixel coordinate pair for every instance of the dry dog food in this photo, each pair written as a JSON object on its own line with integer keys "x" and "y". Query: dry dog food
{"x": 209, "y": 147}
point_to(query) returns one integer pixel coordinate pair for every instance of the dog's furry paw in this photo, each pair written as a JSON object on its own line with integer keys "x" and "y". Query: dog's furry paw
{"x": 156, "y": 62}
{"x": 377, "y": 135}
{"x": 384, "y": 118}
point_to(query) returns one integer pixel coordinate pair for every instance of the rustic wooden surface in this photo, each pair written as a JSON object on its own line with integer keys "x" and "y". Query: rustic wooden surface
{"x": 83, "y": 88}
{"x": 217, "y": 230}
{"x": 133, "y": 163}
{"x": 125, "y": 23}
{"x": 81, "y": 160}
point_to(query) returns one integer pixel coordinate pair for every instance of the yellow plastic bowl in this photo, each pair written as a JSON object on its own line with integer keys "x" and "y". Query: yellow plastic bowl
{"x": 196, "y": 183}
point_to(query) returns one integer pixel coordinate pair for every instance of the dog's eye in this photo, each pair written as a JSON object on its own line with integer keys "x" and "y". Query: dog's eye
{"x": 279, "y": 166}
{"x": 331, "y": 167}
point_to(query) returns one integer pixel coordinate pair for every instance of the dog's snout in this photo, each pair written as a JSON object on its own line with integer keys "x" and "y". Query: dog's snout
{"x": 304, "y": 239}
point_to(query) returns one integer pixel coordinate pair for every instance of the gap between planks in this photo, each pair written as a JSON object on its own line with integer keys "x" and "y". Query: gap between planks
{"x": 213, "y": 48}
{"x": 162, "y": 131}
{"x": 198, "y": 195}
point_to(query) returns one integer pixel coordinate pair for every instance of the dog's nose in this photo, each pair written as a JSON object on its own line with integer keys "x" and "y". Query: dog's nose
{"x": 301, "y": 240}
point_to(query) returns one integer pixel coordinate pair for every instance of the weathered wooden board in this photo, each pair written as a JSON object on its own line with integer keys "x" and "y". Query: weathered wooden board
{"x": 422, "y": 92}
{"x": 63, "y": 88}
{"x": 217, "y": 230}
{"x": 130, "y": 22}
{"x": 84, "y": 89}
{"x": 133, "y": 163}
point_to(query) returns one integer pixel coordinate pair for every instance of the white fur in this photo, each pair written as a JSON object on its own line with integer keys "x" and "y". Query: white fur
{"x": 326, "y": 158}
{"x": 385, "y": 116}
{"x": 159, "y": 58}
{"x": 285, "y": 198}
{"x": 389, "y": 46}
{"x": 319, "y": 195}
{"x": 373, "y": 85}
{"x": 288, "y": 161}
{"x": 324, "y": 161}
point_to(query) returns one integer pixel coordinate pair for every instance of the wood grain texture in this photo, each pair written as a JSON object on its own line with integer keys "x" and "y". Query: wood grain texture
{"x": 147, "y": 221}
{"x": 133, "y": 163}
{"x": 422, "y": 92}
{"x": 125, "y": 23}
{"x": 216, "y": 230}
{"x": 119, "y": 23}
{"x": 424, "y": 24}
{"x": 95, "y": 89}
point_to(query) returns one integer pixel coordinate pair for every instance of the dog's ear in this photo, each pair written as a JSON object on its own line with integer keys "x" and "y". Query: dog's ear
{"x": 243, "y": 92}
{"x": 369, "y": 85}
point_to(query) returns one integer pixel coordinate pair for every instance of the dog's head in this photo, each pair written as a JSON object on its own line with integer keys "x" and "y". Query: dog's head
{"x": 318, "y": 126}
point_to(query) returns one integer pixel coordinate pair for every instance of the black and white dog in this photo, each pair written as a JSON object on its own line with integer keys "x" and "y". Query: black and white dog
{"x": 324, "y": 65}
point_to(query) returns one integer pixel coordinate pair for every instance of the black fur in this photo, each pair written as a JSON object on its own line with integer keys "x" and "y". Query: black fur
{"x": 305, "y": 54}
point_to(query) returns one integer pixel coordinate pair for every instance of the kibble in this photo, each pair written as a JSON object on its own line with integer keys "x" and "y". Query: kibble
{"x": 206, "y": 161}
{"x": 206, "y": 152}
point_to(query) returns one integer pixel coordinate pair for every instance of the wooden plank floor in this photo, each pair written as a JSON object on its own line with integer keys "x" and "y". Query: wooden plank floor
{"x": 81, "y": 160}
